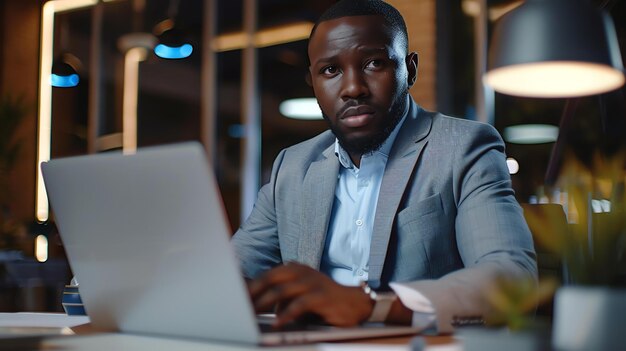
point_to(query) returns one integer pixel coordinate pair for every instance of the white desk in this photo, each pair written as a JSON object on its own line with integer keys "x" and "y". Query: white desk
{"x": 52, "y": 331}
{"x": 108, "y": 342}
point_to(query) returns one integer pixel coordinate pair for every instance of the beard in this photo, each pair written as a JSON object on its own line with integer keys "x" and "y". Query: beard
{"x": 369, "y": 144}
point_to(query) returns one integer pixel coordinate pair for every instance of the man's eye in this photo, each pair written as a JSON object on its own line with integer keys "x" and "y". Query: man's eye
{"x": 329, "y": 70}
{"x": 374, "y": 64}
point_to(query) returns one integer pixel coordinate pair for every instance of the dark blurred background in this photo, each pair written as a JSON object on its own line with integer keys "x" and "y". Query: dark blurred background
{"x": 171, "y": 104}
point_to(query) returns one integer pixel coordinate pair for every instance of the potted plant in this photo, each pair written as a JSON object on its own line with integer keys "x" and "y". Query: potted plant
{"x": 511, "y": 325}
{"x": 590, "y": 307}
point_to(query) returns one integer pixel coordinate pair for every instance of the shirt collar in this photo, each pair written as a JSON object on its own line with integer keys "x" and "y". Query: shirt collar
{"x": 344, "y": 157}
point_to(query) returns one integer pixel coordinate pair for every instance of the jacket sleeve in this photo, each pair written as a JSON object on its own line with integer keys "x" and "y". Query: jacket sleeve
{"x": 492, "y": 236}
{"x": 256, "y": 242}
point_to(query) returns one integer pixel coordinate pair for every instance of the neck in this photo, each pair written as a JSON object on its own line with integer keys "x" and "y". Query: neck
{"x": 356, "y": 159}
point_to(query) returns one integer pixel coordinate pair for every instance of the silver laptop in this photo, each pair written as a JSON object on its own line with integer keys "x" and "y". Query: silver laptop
{"x": 147, "y": 238}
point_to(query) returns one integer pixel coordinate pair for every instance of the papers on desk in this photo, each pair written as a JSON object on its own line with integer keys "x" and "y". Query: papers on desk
{"x": 386, "y": 347}
{"x": 362, "y": 347}
{"x": 32, "y": 324}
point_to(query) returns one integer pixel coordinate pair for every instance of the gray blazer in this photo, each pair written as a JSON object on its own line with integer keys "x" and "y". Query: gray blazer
{"x": 446, "y": 221}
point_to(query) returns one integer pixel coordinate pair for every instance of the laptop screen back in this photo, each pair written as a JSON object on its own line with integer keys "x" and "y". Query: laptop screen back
{"x": 147, "y": 238}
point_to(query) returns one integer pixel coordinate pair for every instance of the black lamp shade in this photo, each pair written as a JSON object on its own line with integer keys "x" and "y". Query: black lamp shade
{"x": 548, "y": 42}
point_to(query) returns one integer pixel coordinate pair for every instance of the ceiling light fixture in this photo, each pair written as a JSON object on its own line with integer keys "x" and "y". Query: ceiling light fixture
{"x": 65, "y": 71}
{"x": 301, "y": 108}
{"x": 557, "y": 48}
{"x": 173, "y": 43}
{"x": 531, "y": 133}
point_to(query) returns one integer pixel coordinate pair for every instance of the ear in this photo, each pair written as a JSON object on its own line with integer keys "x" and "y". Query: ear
{"x": 307, "y": 78}
{"x": 412, "y": 61}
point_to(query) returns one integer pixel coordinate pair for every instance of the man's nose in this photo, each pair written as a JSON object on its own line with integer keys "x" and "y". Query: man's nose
{"x": 353, "y": 85}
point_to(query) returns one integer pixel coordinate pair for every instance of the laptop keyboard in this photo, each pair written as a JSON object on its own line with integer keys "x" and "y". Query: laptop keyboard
{"x": 265, "y": 322}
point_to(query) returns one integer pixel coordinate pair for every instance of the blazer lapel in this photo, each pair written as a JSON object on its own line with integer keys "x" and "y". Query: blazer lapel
{"x": 404, "y": 154}
{"x": 317, "y": 198}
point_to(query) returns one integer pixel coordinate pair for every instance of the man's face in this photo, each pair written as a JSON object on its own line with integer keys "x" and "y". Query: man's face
{"x": 360, "y": 78}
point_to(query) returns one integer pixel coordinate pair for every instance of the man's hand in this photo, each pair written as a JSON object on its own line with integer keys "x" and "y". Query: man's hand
{"x": 299, "y": 290}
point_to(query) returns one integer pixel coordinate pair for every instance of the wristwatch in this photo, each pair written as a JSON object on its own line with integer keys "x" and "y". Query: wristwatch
{"x": 382, "y": 303}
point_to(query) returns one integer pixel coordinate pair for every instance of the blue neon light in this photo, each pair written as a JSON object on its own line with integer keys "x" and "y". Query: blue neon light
{"x": 64, "y": 81}
{"x": 171, "y": 52}
{"x": 236, "y": 131}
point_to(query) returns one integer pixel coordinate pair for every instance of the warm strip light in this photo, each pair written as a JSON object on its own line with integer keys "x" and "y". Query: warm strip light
{"x": 50, "y": 8}
{"x": 45, "y": 107}
{"x": 283, "y": 34}
{"x": 265, "y": 37}
{"x": 495, "y": 12}
{"x": 231, "y": 41}
{"x": 109, "y": 142}
{"x": 129, "y": 104}
{"x": 555, "y": 79}
{"x": 41, "y": 248}
{"x": 67, "y": 5}
{"x": 472, "y": 8}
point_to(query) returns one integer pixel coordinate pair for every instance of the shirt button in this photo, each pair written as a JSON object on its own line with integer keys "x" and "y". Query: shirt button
{"x": 359, "y": 222}
{"x": 360, "y": 272}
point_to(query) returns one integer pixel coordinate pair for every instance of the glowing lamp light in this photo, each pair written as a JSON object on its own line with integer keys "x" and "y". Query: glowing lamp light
{"x": 64, "y": 81}
{"x": 173, "y": 52}
{"x": 301, "y": 108}
{"x": 555, "y": 79}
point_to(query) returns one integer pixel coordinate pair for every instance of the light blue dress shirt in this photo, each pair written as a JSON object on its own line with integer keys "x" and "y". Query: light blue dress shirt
{"x": 347, "y": 249}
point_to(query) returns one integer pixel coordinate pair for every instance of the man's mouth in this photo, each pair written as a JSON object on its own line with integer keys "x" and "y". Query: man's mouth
{"x": 357, "y": 116}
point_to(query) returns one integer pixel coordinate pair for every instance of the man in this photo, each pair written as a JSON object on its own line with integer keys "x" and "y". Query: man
{"x": 392, "y": 197}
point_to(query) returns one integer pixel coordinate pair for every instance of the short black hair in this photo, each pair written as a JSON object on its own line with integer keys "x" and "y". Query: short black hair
{"x": 346, "y": 8}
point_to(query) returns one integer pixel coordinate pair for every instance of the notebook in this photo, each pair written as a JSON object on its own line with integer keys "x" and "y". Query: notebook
{"x": 147, "y": 238}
